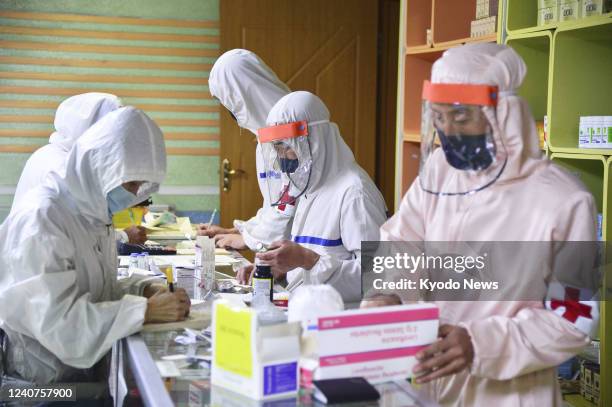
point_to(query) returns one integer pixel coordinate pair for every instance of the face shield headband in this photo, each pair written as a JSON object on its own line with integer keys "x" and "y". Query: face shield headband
{"x": 287, "y": 161}
{"x": 461, "y": 151}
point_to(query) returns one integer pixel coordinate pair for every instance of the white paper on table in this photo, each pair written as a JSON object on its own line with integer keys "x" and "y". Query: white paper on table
{"x": 220, "y": 258}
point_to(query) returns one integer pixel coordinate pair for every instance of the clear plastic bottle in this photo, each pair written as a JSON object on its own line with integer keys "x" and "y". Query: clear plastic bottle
{"x": 147, "y": 261}
{"x": 133, "y": 263}
{"x": 208, "y": 266}
{"x": 141, "y": 261}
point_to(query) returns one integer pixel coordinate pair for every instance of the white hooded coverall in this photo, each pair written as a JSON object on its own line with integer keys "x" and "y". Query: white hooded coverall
{"x": 72, "y": 118}
{"x": 517, "y": 344}
{"x": 62, "y": 306}
{"x": 341, "y": 206}
{"x": 248, "y": 88}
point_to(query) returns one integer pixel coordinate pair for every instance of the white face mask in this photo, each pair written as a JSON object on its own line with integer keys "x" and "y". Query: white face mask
{"x": 119, "y": 199}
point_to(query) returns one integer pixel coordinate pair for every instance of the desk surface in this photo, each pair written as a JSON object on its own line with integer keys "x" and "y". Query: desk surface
{"x": 192, "y": 388}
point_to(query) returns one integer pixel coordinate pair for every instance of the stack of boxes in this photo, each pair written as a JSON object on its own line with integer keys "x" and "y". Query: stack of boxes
{"x": 589, "y": 381}
{"x": 595, "y": 132}
{"x": 486, "y": 18}
{"x": 552, "y": 11}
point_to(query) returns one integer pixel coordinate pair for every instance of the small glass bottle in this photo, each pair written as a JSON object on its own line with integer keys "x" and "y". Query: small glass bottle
{"x": 263, "y": 281}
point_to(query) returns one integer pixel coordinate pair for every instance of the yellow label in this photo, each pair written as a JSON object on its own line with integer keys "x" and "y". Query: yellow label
{"x": 233, "y": 329}
{"x": 167, "y": 270}
{"x": 128, "y": 217}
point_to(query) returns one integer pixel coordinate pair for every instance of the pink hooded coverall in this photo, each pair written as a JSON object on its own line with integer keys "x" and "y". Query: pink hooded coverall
{"x": 517, "y": 344}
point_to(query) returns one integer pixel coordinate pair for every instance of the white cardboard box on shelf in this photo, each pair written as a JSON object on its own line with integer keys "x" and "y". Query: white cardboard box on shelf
{"x": 483, "y": 27}
{"x": 592, "y": 8}
{"x": 486, "y": 8}
{"x": 595, "y": 132}
{"x": 548, "y": 15}
{"x": 569, "y": 10}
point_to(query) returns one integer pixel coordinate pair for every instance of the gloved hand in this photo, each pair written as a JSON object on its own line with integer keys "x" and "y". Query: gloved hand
{"x": 165, "y": 306}
{"x": 136, "y": 234}
{"x": 213, "y": 230}
{"x": 230, "y": 241}
{"x": 245, "y": 274}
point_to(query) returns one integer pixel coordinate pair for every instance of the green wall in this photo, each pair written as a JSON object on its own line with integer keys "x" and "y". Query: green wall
{"x": 179, "y": 9}
{"x": 183, "y": 170}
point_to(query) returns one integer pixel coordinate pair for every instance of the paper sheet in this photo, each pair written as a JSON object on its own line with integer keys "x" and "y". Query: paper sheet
{"x": 196, "y": 320}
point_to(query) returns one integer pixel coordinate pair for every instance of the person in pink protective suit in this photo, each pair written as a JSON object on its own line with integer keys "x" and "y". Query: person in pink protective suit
{"x": 483, "y": 178}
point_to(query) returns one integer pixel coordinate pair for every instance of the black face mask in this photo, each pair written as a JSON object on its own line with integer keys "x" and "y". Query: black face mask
{"x": 466, "y": 152}
{"x": 288, "y": 166}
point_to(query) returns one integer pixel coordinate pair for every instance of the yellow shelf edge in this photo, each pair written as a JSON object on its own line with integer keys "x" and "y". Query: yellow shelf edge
{"x": 532, "y": 34}
{"x": 467, "y": 40}
{"x": 581, "y": 151}
{"x": 418, "y": 49}
{"x": 412, "y": 137}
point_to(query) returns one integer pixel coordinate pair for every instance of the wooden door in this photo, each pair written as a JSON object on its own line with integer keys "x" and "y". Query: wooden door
{"x": 327, "y": 47}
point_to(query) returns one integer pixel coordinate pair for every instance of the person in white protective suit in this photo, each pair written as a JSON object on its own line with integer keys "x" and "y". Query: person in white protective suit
{"x": 62, "y": 305}
{"x": 72, "y": 118}
{"x": 248, "y": 88}
{"x": 488, "y": 181}
{"x": 337, "y": 204}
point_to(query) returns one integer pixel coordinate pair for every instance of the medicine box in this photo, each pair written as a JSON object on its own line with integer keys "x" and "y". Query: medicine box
{"x": 257, "y": 361}
{"x": 590, "y": 382}
{"x": 592, "y": 8}
{"x": 483, "y": 27}
{"x": 486, "y": 8}
{"x": 595, "y": 132}
{"x": 378, "y": 344}
{"x": 569, "y": 10}
{"x": 548, "y": 15}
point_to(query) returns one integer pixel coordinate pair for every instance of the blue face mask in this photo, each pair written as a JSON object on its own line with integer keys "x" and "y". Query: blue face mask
{"x": 466, "y": 152}
{"x": 119, "y": 199}
{"x": 288, "y": 166}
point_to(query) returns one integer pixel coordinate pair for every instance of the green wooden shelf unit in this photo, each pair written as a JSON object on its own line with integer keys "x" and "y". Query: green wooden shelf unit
{"x": 569, "y": 75}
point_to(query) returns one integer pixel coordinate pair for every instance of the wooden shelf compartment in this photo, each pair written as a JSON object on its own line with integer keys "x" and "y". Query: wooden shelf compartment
{"x": 417, "y": 68}
{"x": 418, "y": 20}
{"x": 579, "y": 86}
{"x": 451, "y": 20}
{"x": 535, "y": 49}
{"x": 591, "y": 170}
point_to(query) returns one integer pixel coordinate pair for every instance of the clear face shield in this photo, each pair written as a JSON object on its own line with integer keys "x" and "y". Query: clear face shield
{"x": 287, "y": 161}
{"x": 461, "y": 151}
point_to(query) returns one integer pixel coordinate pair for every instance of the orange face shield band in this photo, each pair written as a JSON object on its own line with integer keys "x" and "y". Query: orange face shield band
{"x": 283, "y": 131}
{"x": 463, "y": 94}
